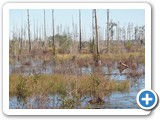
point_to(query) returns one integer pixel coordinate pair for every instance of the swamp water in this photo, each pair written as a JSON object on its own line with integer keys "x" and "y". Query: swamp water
{"x": 112, "y": 100}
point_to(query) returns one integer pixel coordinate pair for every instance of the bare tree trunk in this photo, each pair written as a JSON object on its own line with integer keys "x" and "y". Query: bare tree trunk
{"x": 58, "y": 34}
{"x": 73, "y": 31}
{"x": 37, "y": 41}
{"x": 19, "y": 40}
{"x": 29, "y": 37}
{"x": 124, "y": 35}
{"x": 42, "y": 35}
{"x": 129, "y": 31}
{"x": 107, "y": 30}
{"x": 44, "y": 29}
{"x": 93, "y": 41}
{"x": 117, "y": 36}
{"x": 60, "y": 29}
{"x": 53, "y": 38}
{"x": 37, "y": 31}
{"x": 97, "y": 42}
{"x": 135, "y": 32}
{"x": 80, "y": 38}
{"x": 34, "y": 31}
{"x": 21, "y": 36}
{"x": 24, "y": 33}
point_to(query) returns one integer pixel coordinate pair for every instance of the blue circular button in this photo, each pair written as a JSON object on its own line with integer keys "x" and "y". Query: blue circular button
{"x": 147, "y": 99}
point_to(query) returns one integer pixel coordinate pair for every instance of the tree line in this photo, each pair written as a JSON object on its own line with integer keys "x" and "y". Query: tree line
{"x": 69, "y": 42}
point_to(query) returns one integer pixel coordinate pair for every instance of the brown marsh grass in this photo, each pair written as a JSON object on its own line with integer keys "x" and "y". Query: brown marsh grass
{"x": 66, "y": 84}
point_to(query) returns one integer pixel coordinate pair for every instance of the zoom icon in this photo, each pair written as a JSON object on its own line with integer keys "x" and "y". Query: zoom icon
{"x": 147, "y": 99}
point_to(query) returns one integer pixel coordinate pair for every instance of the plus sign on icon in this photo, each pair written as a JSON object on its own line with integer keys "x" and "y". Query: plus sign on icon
{"x": 147, "y": 99}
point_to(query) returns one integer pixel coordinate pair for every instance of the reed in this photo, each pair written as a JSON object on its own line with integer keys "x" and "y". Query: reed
{"x": 65, "y": 84}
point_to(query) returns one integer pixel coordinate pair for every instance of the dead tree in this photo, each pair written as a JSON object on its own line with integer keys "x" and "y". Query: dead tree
{"x": 53, "y": 38}
{"x": 117, "y": 35}
{"x": 107, "y": 30}
{"x": 24, "y": 34}
{"x": 93, "y": 41}
{"x": 111, "y": 31}
{"x": 21, "y": 38}
{"x": 80, "y": 35}
{"x": 97, "y": 42}
{"x": 37, "y": 35}
{"x": 73, "y": 35}
{"x": 44, "y": 28}
{"x": 129, "y": 32}
{"x": 124, "y": 35}
{"x": 37, "y": 30}
{"x": 34, "y": 30}
{"x": 135, "y": 32}
{"x": 29, "y": 36}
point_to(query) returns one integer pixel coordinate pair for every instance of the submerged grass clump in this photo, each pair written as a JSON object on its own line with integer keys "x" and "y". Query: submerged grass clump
{"x": 21, "y": 90}
{"x": 64, "y": 84}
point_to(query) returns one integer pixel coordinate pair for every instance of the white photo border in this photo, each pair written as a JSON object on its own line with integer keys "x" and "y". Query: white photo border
{"x": 8, "y": 6}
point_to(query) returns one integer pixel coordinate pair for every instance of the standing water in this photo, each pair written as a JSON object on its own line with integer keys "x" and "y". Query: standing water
{"x": 125, "y": 99}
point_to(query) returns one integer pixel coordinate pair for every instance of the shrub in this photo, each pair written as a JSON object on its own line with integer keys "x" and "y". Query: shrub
{"x": 21, "y": 90}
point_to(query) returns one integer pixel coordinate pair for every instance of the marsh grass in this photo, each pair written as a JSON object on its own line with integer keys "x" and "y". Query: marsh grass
{"x": 85, "y": 60}
{"x": 22, "y": 92}
{"x": 113, "y": 56}
{"x": 71, "y": 90}
{"x": 48, "y": 56}
{"x": 59, "y": 84}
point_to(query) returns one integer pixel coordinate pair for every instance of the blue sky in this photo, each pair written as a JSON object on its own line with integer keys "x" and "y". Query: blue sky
{"x": 65, "y": 17}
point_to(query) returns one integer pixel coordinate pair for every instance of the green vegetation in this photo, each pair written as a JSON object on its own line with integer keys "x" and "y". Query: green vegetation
{"x": 62, "y": 84}
{"x": 22, "y": 90}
